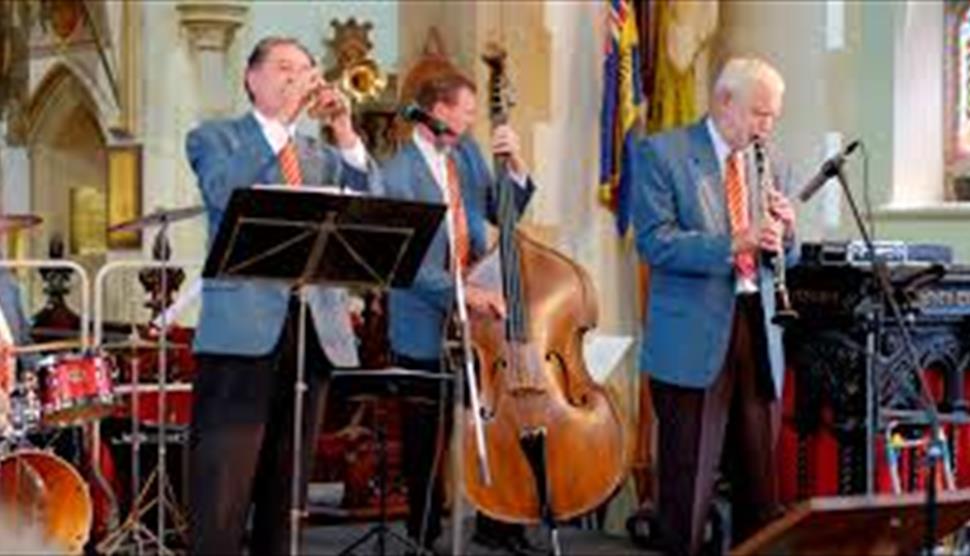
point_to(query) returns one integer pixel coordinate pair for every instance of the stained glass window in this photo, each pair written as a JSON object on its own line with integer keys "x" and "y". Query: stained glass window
{"x": 957, "y": 98}
{"x": 963, "y": 83}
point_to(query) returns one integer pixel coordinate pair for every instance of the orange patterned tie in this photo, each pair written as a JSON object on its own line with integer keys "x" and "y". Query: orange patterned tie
{"x": 458, "y": 218}
{"x": 737, "y": 202}
{"x": 290, "y": 164}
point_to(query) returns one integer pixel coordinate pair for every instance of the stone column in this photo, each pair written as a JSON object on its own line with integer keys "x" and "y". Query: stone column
{"x": 211, "y": 27}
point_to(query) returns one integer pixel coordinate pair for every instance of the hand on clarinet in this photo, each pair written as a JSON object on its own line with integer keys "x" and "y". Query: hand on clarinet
{"x": 781, "y": 208}
{"x": 744, "y": 241}
{"x": 771, "y": 236}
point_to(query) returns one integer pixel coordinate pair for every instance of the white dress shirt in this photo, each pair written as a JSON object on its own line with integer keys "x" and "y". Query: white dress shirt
{"x": 722, "y": 151}
{"x": 437, "y": 160}
{"x": 278, "y": 134}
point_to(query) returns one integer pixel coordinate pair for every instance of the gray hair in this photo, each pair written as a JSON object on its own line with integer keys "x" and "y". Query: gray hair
{"x": 739, "y": 74}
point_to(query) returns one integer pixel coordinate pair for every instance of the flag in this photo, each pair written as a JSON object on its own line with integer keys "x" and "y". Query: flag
{"x": 622, "y": 104}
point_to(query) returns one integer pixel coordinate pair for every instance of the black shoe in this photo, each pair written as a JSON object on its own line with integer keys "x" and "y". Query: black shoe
{"x": 514, "y": 543}
{"x": 642, "y": 528}
{"x": 426, "y": 550}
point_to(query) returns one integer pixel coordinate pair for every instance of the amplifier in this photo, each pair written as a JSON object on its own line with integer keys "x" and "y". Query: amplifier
{"x": 855, "y": 253}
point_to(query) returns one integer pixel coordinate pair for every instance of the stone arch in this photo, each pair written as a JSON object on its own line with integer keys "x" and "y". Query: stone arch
{"x": 66, "y": 144}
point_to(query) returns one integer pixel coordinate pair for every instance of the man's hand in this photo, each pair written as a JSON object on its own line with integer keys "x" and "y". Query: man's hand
{"x": 333, "y": 109}
{"x": 781, "y": 208}
{"x": 506, "y": 142}
{"x": 744, "y": 241}
{"x": 485, "y": 302}
{"x": 770, "y": 238}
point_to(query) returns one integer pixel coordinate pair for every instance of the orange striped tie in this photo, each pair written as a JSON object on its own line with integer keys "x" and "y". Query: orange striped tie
{"x": 458, "y": 218}
{"x": 290, "y": 164}
{"x": 737, "y": 202}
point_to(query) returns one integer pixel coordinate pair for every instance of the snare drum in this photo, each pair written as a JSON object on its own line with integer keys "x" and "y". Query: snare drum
{"x": 41, "y": 491}
{"x": 75, "y": 388}
{"x": 178, "y": 403}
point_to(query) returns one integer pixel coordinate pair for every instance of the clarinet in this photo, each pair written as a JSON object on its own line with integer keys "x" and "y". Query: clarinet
{"x": 785, "y": 314}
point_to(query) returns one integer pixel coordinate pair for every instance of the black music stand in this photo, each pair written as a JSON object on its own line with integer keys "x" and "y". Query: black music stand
{"x": 311, "y": 235}
{"x": 385, "y": 380}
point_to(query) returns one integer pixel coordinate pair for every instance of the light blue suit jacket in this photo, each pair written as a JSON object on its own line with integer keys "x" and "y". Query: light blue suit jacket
{"x": 418, "y": 315}
{"x": 683, "y": 232}
{"x": 11, "y": 303}
{"x": 246, "y": 317}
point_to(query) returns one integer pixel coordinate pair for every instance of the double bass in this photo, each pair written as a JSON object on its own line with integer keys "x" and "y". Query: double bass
{"x": 553, "y": 437}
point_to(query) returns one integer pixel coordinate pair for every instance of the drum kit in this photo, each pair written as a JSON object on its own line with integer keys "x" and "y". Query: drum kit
{"x": 64, "y": 385}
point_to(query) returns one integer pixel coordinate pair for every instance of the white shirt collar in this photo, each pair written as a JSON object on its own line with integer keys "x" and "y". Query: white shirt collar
{"x": 427, "y": 148}
{"x": 275, "y": 131}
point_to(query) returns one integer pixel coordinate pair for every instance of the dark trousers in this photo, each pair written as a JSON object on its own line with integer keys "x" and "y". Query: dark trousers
{"x": 426, "y": 428}
{"x": 427, "y": 422}
{"x": 242, "y": 444}
{"x": 739, "y": 411}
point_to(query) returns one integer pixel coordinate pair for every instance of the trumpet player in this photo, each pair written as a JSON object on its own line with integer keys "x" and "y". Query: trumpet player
{"x": 246, "y": 338}
{"x": 702, "y": 219}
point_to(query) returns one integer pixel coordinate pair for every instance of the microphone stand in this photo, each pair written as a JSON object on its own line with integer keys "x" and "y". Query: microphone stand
{"x": 461, "y": 380}
{"x": 935, "y": 449}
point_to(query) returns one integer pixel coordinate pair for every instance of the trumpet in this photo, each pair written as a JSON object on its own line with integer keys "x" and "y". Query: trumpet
{"x": 325, "y": 111}
{"x": 357, "y": 82}
{"x": 362, "y": 80}
{"x": 785, "y": 314}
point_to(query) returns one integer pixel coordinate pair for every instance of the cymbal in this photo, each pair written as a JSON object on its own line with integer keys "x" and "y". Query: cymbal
{"x": 59, "y": 345}
{"x": 158, "y": 217}
{"x": 14, "y": 222}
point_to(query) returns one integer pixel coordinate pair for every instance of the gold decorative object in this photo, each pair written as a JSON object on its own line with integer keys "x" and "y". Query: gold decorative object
{"x": 88, "y": 230}
{"x": 372, "y": 92}
{"x": 124, "y": 193}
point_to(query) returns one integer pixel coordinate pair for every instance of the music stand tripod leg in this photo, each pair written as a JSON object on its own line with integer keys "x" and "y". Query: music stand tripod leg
{"x": 381, "y": 530}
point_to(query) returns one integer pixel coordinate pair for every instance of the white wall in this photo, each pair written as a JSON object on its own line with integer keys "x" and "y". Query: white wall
{"x": 310, "y": 22}
{"x": 918, "y": 104}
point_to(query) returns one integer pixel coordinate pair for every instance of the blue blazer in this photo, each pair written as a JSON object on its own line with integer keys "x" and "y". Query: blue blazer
{"x": 11, "y": 303}
{"x": 418, "y": 315}
{"x": 246, "y": 317}
{"x": 683, "y": 232}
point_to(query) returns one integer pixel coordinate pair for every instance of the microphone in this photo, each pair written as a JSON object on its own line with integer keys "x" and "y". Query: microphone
{"x": 414, "y": 113}
{"x": 829, "y": 169}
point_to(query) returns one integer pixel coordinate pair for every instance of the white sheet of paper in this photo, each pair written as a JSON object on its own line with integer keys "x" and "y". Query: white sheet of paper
{"x": 603, "y": 353}
{"x": 332, "y": 189}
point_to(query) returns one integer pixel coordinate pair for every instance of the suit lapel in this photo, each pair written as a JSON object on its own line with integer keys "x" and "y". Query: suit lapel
{"x": 250, "y": 126}
{"x": 426, "y": 188}
{"x": 707, "y": 175}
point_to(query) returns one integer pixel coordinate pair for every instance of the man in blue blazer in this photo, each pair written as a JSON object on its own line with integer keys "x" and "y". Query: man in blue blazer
{"x": 246, "y": 336}
{"x": 435, "y": 168}
{"x": 703, "y": 219}
{"x": 18, "y": 327}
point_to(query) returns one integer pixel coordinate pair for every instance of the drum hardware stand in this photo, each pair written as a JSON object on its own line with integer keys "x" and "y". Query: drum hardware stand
{"x": 142, "y": 536}
{"x": 165, "y": 496}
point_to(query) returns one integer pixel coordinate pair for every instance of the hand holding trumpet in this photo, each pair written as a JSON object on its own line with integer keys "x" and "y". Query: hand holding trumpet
{"x": 322, "y": 101}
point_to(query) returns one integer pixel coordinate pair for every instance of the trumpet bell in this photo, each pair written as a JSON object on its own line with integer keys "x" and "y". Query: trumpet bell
{"x": 362, "y": 81}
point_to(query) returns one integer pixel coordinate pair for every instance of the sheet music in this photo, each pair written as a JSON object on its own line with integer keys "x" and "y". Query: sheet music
{"x": 603, "y": 353}
{"x": 307, "y": 188}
